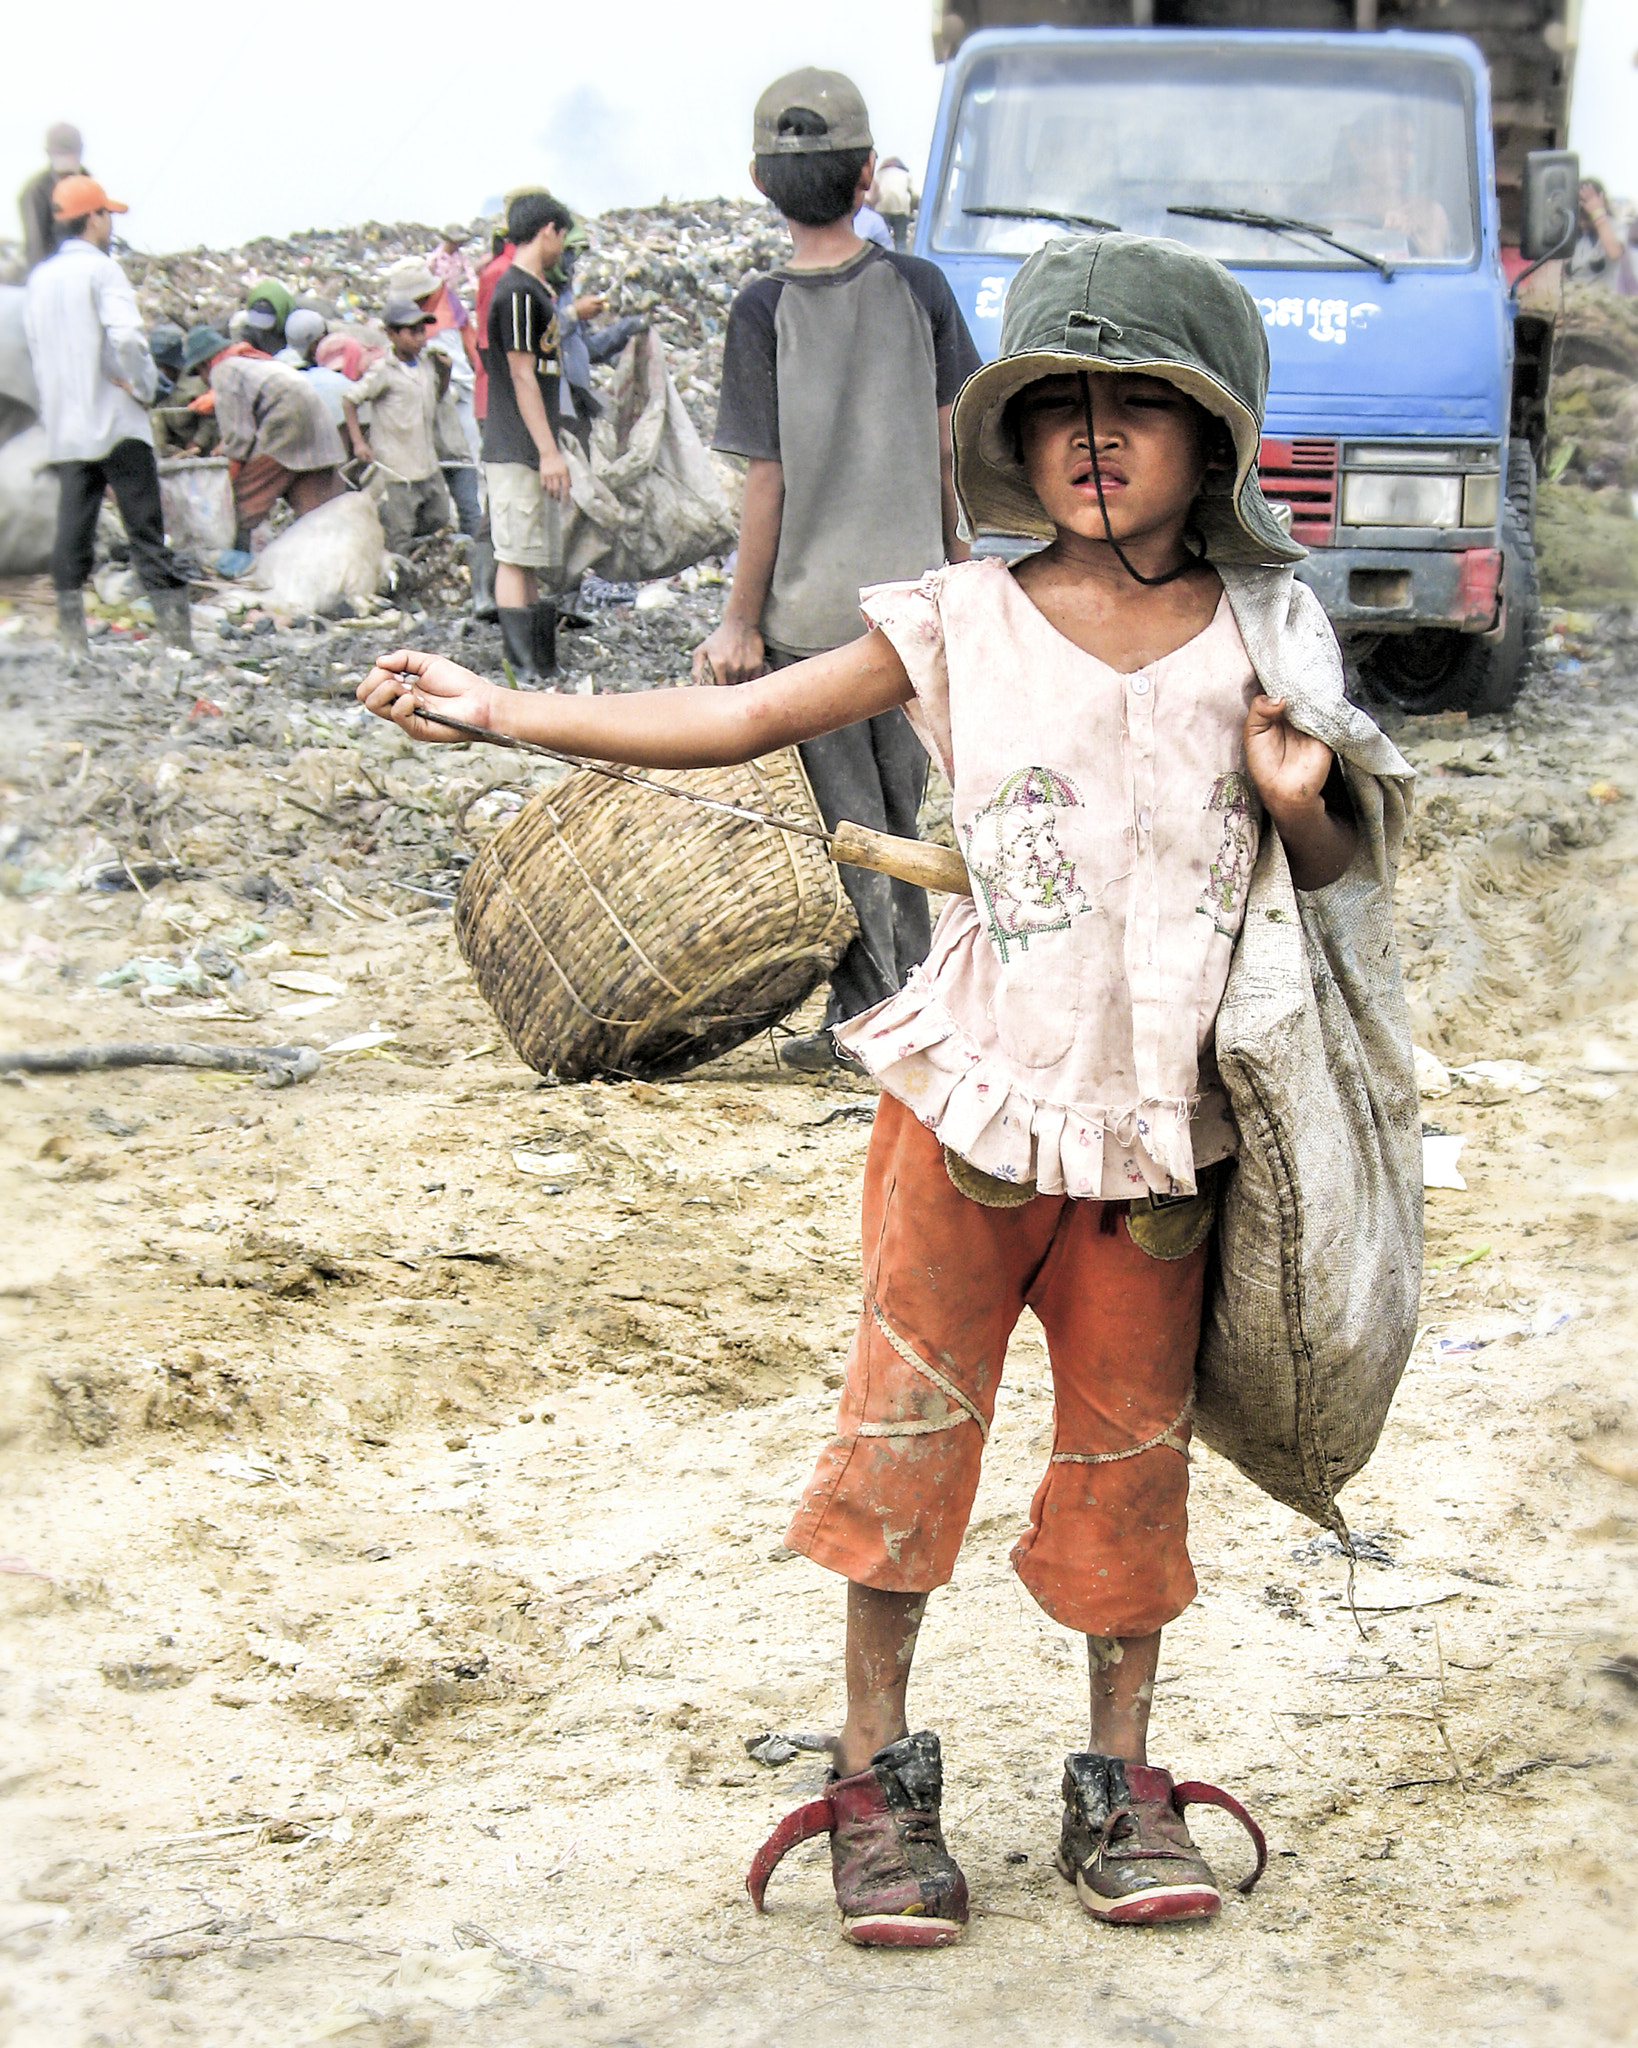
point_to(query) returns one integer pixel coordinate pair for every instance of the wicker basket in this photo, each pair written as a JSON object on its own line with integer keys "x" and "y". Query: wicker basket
{"x": 617, "y": 931}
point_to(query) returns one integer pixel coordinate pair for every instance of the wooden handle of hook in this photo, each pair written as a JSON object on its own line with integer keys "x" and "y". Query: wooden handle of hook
{"x": 909, "y": 860}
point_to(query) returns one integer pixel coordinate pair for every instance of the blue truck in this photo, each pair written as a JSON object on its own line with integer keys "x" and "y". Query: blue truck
{"x": 1395, "y": 201}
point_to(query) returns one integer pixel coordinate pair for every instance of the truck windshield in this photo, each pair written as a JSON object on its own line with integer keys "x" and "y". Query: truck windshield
{"x": 1377, "y": 146}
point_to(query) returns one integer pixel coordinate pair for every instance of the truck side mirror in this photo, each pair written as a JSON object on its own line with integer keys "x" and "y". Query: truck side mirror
{"x": 1552, "y": 195}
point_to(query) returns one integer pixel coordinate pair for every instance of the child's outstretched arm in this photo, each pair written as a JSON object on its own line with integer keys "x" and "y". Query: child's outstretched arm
{"x": 1290, "y": 769}
{"x": 679, "y": 728}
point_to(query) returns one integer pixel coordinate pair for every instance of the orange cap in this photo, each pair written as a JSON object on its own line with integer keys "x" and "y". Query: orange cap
{"x": 78, "y": 195}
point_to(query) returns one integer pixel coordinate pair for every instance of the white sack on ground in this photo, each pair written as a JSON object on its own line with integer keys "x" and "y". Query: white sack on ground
{"x": 649, "y": 501}
{"x": 334, "y": 551}
{"x": 16, "y": 370}
{"x": 28, "y": 504}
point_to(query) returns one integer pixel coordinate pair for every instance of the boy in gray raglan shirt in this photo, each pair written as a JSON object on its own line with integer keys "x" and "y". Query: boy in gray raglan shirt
{"x": 838, "y": 377}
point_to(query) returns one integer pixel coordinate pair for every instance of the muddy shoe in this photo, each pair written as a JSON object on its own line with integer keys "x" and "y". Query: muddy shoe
{"x": 896, "y": 1883}
{"x": 1126, "y": 1846}
{"x": 813, "y": 1055}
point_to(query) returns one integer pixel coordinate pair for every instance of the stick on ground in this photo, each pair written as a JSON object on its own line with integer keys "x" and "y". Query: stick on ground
{"x": 278, "y": 1065}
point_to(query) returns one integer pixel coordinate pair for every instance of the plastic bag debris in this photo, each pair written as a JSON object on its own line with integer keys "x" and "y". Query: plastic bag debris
{"x": 1546, "y": 1321}
{"x": 1507, "y": 1077}
{"x": 774, "y": 1750}
{"x": 306, "y": 984}
{"x": 1440, "y": 1152}
{"x": 157, "y": 974}
{"x": 362, "y": 1041}
{"x": 545, "y": 1162}
{"x": 255, "y": 1470}
{"x": 1432, "y": 1075}
{"x": 1461, "y": 1346}
{"x": 1369, "y": 1547}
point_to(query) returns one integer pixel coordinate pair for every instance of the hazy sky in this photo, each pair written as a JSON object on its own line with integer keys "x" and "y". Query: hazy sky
{"x": 254, "y": 119}
{"x": 246, "y": 120}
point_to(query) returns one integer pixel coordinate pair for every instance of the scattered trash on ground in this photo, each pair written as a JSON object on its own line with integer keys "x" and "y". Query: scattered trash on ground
{"x": 1369, "y": 1547}
{"x": 1545, "y": 1321}
{"x": 1440, "y": 1151}
{"x": 1502, "y": 1077}
{"x": 546, "y": 1162}
{"x": 774, "y": 1750}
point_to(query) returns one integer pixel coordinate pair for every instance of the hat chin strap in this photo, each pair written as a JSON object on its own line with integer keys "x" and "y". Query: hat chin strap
{"x": 1191, "y": 561}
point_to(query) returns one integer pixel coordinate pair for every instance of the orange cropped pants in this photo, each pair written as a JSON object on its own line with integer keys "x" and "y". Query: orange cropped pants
{"x": 946, "y": 1279}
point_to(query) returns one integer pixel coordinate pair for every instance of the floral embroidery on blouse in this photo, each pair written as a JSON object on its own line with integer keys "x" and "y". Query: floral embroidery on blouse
{"x": 1028, "y": 881}
{"x": 1228, "y": 877}
{"x": 1061, "y": 1028}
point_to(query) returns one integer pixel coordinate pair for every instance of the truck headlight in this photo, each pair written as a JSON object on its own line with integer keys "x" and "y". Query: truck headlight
{"x": 1387, "y": 500}
{"x": 1481, "y": 499}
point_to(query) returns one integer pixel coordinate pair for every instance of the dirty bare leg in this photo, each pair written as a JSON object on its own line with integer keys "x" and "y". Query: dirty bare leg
{"x": 515, "y": 589}
{"x": 1122, "y": 1670}
{"x": 881, "y": 1642}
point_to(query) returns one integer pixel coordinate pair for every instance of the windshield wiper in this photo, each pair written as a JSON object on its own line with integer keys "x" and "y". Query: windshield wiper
{"x": 1079, "y": 220}
{"x": 1284, "y": 224}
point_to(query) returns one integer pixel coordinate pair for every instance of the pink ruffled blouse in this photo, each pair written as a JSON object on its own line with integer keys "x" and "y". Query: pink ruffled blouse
{"x": 1061, "y": 1028}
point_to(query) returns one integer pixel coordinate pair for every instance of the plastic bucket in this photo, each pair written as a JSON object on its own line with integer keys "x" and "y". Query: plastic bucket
{"x": 197, "y": 495}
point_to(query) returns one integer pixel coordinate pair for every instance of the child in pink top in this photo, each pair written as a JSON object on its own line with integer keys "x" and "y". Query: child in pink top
{"x": 1051, "y": 1124}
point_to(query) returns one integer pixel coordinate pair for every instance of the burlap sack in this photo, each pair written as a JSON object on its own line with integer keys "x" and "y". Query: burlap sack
{"x": 1319, "y": 1272}
{"x": 648, "y": 502}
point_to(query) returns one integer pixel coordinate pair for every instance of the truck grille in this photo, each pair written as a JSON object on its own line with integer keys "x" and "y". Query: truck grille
{"x": 1303, "y": 475}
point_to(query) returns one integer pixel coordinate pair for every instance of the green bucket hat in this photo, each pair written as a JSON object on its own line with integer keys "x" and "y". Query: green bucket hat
{"x": 1142, "y": 305}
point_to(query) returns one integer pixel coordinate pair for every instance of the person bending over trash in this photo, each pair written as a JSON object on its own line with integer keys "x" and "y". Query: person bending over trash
{"x": 276, "y": 431}
{"x": 1052, "y": 1131}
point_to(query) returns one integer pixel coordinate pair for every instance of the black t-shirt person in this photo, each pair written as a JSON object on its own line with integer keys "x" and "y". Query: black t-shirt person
{"x": 522, "y": 320}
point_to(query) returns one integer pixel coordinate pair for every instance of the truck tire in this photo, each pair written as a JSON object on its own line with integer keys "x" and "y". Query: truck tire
{"x": 1521, "y": 483}
{"x": 1444, "y": 671}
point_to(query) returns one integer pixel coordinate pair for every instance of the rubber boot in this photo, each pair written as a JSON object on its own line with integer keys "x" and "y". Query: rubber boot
{"x": 71, "y": 621}
{"x": 171, "y": 615}
{"x": 517, "y": 624}
{"x": 545, "y": 637}
{"x": 480, "y": 562}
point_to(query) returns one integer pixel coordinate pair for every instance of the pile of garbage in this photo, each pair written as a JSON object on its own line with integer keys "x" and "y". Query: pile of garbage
{"x": 1586, "y": 528}
{"x": 676, "y": 264}
{"x": 650, "y": 501}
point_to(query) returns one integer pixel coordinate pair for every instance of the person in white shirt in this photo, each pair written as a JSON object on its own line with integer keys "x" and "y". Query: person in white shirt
{"x": 96, "y": 377}
{"x": 893, "y": 195}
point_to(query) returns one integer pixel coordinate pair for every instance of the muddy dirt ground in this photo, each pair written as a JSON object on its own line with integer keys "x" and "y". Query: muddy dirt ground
{"x": 393, "y": 1567}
